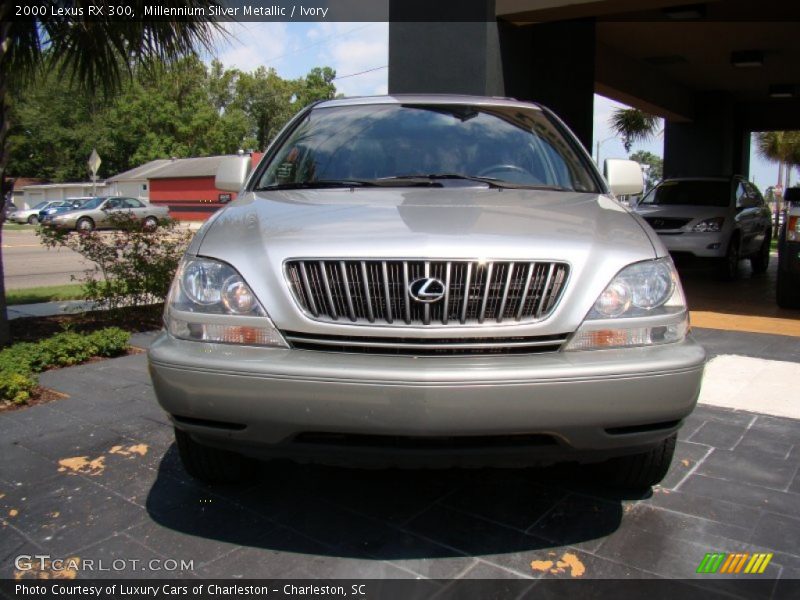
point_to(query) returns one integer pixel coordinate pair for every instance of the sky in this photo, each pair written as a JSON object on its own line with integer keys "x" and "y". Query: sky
{"x": 359, "y": 52}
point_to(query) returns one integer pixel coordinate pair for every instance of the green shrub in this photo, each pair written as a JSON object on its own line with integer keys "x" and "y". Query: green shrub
{"x": 15, "y": 387}
{"x": 19, "y": 363}
{"x": 134, "y": 265}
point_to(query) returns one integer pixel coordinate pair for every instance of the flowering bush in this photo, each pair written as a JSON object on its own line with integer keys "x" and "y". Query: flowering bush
{"x": 134, "y": 264}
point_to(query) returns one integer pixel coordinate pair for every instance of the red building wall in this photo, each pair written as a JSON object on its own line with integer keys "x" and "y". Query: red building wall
{"x": 190, "y": 198}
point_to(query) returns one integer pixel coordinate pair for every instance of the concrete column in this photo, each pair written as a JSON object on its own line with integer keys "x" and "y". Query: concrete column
{"x": 554, "y": 64}
{"x": 444, "y": 57}
{"x": 551, "y": 63}
{"x": 714, "y": 143}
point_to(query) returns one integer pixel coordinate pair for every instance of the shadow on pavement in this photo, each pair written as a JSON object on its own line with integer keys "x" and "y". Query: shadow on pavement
{"x": 752, "y": 294}
{"x": 390, "y": 514}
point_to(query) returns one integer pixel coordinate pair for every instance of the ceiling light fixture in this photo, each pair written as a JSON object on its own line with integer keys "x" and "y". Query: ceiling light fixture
{"x": 781, "y": 90}
{"x": 744, "y": 59}
{"x": 685, "y": 12}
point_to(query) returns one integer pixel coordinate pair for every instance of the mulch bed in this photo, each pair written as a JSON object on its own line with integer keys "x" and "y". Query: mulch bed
{"x": 41, "y": 395}
{"x": 131, "y": 318}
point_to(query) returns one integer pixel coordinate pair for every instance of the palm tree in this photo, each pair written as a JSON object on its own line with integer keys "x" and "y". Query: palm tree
{"x": 782, "y": 147}
{"x": 633, "y": 125}
{"x": 95, "y": 53}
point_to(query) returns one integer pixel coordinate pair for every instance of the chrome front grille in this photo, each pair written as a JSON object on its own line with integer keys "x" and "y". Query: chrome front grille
{"x": 475, "y": 292}
{"x": 659, "y": 223}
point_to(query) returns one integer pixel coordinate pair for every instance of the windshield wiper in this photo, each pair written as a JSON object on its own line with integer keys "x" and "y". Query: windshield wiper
{"x": 493, "y": 182}
{"x": 322, "y": 183}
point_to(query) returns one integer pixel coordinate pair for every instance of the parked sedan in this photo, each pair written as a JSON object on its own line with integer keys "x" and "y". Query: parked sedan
{"x": 98, "y": 212}
{"x": 60, "y": 207}
{"x": 31, "y": 215}
{"x": 725, "y": 219}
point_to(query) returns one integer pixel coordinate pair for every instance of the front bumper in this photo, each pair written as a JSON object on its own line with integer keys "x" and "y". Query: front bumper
{"x": 265, "y": 402}
{"x": 702, "y": 245}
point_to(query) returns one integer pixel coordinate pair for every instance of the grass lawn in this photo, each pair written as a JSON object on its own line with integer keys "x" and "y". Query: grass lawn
{"x": 16, "y": 226}
{"x": 71, "y": 291}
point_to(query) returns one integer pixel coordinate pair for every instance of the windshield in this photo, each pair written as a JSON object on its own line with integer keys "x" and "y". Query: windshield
{"x": 689, "y": 193}
{"x": 377, "y": 144}
{"x": 93, "y": 203}
{"x": 41, "y": 205}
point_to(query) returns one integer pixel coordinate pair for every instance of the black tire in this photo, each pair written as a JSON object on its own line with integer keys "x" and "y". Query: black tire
{"x": 729, "y": 265}
{"x": 211, "y": 465}
{"x": 150, "y": 223}
{"x": 759, "y": 262}
{"x": 84, "y": 224}
{"x": 639, "y": 471}
{"x": 33, "y": 220}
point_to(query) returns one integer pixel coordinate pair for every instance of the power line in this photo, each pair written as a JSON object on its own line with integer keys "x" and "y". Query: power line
{"x": 360, "y": 73}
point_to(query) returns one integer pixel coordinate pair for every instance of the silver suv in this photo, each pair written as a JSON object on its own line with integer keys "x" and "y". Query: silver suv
{"x": 721, "y": 218}
{"x": 427, "y": 281}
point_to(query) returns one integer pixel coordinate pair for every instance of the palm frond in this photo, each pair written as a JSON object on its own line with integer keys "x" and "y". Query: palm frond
{"x": 97, "y": 53}
{"x": 779, "y": 146}
{"x": 633, "y": 125}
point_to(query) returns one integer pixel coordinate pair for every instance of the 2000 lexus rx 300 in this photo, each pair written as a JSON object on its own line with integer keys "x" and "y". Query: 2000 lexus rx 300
{"x": 427, "y": 281}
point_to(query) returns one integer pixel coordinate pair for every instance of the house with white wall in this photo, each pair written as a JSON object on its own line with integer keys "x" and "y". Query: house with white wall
{"x": 134, "y": 183}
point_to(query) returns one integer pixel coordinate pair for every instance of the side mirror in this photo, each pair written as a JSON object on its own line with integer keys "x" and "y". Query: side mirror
{"x": 232, "y": 173}
{"x": 624, "y": 177}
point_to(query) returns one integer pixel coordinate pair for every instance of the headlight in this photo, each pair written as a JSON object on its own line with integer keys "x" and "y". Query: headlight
{"x": 210, "y": 302}
{"x": 709, "y": 225}
{"x": 643, "y": 305}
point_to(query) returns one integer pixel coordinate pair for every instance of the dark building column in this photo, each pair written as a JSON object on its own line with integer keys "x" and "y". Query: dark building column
{"x": 554, "y": 64}
{"x": 447, "y": 58}
{"x": 551, "y": 63}
{"x": 715, "y": 142}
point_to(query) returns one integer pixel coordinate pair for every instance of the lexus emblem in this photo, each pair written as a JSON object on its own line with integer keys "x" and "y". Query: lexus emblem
{"x": 427, "y": 289}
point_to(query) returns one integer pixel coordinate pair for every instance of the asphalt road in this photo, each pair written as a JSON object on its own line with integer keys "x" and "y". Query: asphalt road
{"x": 27, "y": 263}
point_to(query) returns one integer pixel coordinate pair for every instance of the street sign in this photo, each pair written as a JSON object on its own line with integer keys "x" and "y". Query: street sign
{"x": 94, "y": 162}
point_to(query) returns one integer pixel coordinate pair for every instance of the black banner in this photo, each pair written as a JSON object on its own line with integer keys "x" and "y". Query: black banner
{"x": 405, "y": 589}
{"x": 382, "y": 10}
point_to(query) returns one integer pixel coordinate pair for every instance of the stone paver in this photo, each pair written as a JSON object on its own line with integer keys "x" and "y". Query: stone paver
{"x": 96, "y": 475}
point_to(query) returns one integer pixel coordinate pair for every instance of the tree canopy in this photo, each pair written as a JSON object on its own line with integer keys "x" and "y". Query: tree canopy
{"x": 633, "y": 125}
{"x": 779, "y": 146}
{"x": 656, "y": 171}
{"x": 184, "y": 108}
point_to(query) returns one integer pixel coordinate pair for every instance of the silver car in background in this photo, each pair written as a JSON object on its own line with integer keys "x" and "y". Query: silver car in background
{"x": 98, "y": 213}
{"x": 427, "y": 281}
{"x": 30, "y": 216}
{"x": 721, "y": 218}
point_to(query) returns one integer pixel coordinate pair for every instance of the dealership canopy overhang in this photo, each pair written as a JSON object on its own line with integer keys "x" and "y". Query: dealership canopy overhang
{"x": 715, "y": 70}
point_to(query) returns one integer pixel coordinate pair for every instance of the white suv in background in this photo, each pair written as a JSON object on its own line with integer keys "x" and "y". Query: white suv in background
{"x": 721, "y": 218}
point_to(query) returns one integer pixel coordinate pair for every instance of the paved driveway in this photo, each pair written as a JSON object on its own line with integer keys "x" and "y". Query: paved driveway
{"x": 96, "y": 476}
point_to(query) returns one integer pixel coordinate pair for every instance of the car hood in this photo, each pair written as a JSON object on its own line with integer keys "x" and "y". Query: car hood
{"x": 259, "y": 231}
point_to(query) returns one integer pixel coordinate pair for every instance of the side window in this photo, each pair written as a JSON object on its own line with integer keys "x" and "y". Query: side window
{"x": 743, "y": 199}
{"x": 132, "y": 203}
{"x": 757, "y": 198}
{"x": 114, "y": 203}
